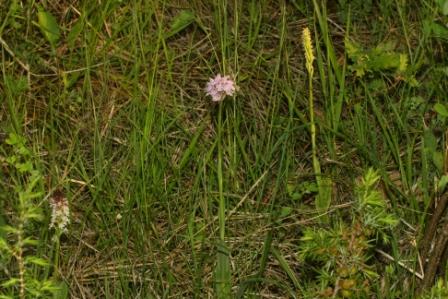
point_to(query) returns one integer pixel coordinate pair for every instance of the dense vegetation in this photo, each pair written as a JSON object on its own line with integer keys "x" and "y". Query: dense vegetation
{"x": 321, "y": 174}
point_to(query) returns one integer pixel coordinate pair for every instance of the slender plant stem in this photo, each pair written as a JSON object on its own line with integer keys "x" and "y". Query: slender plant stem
{"x": 222, "y": 204}
{"x": 316, "y": 164}
{"x": 57, "y": 245}
{"x": 20, "y": 262}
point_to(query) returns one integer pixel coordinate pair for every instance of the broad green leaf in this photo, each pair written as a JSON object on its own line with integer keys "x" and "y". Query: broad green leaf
{"x": 441, "y": 109}
{"x": 49, "y": 26}
{"x": 180, "y": 22}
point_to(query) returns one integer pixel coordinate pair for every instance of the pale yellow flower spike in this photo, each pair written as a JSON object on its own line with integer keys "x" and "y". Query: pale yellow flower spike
{"x": 309, "y": 53}
{"x": 324, "y": 196}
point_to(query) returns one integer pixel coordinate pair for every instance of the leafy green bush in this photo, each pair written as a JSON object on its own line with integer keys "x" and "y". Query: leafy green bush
{"x": 340, "y": 255}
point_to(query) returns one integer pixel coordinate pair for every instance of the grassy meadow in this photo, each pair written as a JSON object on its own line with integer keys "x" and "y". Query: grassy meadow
{"x": 324, "y": 176}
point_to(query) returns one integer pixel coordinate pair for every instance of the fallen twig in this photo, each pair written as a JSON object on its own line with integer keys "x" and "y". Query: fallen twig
{"x": 391, "y": 258}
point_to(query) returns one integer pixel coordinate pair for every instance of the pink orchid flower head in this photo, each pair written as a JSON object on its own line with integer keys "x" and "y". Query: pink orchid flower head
{"x": 220, "y": 87}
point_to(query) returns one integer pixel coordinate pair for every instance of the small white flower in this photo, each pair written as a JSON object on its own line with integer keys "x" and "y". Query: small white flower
{"x": 60, "y": 213}
{"x": 220, "y": 87}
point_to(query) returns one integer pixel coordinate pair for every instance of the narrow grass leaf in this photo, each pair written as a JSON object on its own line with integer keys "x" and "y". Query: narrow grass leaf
{"x": 285, "y": 266}
{"x": 323, "y": 200}
{"x": 74, "y": 33}
{"x": 186, "y": 156}
{"x": 2, "y": 223}
{"x": 36, "y": 260}
{"x": 431, "y": 150}
{"x": 30, "y": 241}
{"x": 9, "y": 229}
{"x": 266, "y": 251}
{"x": 4, "y": 246}
{"x": 245, "y": 284}
{"x": 435, "y": 30}
{"x": 223, "y": 272}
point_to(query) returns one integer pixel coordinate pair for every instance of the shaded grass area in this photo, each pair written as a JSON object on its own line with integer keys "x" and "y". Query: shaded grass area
{"x": 173, "y": 196}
